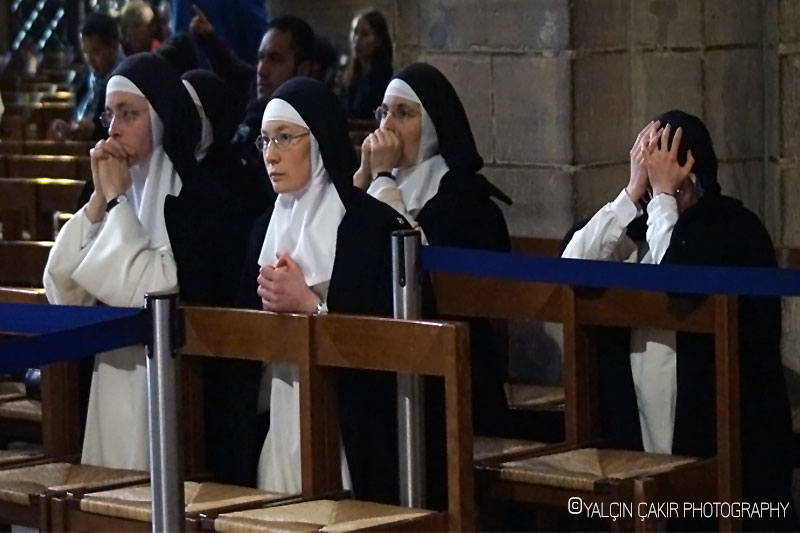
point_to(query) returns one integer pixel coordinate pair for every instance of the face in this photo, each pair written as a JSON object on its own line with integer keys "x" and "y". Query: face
{"x": 686, "y": 195}
{"x": 363, "y": 39}
{"x": 99, "y": 55}
{"x": 139, "y": 35}
{"x": 131, "y": 125}
{"x": 289, "y": 168}
{"x": 276, "y": 62}
{"x": 405, "y": 121}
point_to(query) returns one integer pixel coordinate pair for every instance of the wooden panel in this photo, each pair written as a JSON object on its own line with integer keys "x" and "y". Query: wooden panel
{"x": 22, "y": 263}
{"x": 43, "y": 166}
{"x": 12, "y": 295}
{"x": 628, "y": 308}
{"x": 78, "y": 148}
{"x": 243, "y": 334}
{"x": 468, "y": 296}
{"x": 11, "y": 147}
{"x": 61, "y": 428}
{"x": 383, "y": 344}
{"x": 536, "y": 246}
{"x": 18, "y": 200}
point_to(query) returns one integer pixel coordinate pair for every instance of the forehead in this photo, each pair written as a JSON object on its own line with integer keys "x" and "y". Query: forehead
{"x": 276, "y": 40}
{"x": 94, "y": 43}
{"x": 119, "y": 99}
{"x": 394, "y": 101}
{"x": 272, "y": 127}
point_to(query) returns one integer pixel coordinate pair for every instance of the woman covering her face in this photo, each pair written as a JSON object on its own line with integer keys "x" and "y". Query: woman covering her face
{"x": 152, "y": 223}
{"x": 656, "y": 387}
{"x": 323, "y": 245}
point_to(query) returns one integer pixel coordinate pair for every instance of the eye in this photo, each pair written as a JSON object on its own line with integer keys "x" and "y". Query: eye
{"x": 283, "y": 139}
{"x": 402, "y": 113}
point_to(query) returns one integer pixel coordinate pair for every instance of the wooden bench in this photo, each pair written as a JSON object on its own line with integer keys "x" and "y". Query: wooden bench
{"x": 22, "y": 262}
{"x": 46, "y": 166}
{"x": 77, "y": 148}
{"x": 28, "y": 206}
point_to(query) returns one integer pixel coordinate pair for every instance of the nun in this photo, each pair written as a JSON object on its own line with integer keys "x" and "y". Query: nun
{"x": 137, "y": 234}
{"x": 424, "y": 163}
{"x": 324, "y": 245}
{"x": 656, "y": 387}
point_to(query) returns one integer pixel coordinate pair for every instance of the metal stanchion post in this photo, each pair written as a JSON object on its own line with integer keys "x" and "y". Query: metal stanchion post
{"x": 165, "y": 463}
{"x": 407, "y": 295}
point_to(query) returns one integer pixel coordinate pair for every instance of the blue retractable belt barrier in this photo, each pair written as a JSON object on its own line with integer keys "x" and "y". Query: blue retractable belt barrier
{"x": 67, "y": 332}
{"x": 606, "y": 274}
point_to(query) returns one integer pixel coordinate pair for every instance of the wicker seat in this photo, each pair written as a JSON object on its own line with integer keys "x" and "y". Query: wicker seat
{"x": 484, "y": 448}
{"x": 134, "y": 503}
{"x": 581, "y": 469}
{"x": 11, "y": 457}
{"x": 26, "y": 409}
{"x": 19, "y": 484}
{"x": 11, "y": 390}
{"x": 525, "y": 396}
{"x": 319, "y": 515}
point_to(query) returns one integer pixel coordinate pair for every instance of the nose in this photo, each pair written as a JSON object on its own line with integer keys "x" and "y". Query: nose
{"x": 114, "y": 127}
{"x": 271, "y": 154}
{"x": 389, "y": 123}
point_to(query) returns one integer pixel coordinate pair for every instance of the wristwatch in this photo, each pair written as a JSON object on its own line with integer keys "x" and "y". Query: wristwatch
{"x": 116, "y": 200}
{"x": 387, "y": 174}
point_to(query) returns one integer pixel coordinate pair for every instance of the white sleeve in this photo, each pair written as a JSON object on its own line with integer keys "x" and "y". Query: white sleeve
{"x": 603, "y": 237}
{"x": 385, "y": 189}
{"x": 72, "y": 244}
{"x": 120, "y": 266}
{"x": 662, "y": 214}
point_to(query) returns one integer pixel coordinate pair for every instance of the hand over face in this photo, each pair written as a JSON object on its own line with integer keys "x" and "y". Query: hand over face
{"x": 637, "y": 186}
{"x": 665, "y": 173}
{"x": 110, "y": 170}
{"x": 386, "y": 149}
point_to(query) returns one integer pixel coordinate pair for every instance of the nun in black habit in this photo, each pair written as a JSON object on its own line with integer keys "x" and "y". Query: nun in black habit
{"x": 137, "y": 234}
{"x": 656, "y": 387}
{"x": 423, "y": 162}
{"x": 324, "y": 245}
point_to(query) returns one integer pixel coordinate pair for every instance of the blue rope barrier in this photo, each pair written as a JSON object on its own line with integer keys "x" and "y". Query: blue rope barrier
{"x": 67, "y": 332}
{"x": 605, "y": 274}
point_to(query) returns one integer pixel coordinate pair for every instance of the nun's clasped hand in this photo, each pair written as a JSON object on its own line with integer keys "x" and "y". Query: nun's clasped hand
{"x": 110, "y": 170}
{"x": 385, "y": 151}
{"x": 665, "y": 172}
{"x": 283, "y": 288}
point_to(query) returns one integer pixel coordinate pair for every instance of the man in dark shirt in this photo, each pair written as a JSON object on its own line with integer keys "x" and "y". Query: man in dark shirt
{"x": 100, "y": 43}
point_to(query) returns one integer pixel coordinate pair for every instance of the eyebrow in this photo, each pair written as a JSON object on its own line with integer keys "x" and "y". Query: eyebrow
{"x": 279, "y": 129}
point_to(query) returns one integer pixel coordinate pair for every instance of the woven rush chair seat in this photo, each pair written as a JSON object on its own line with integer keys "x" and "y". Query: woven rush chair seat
{"x": 8, "y": 457}
{"x": 581, "y": 469}
{"x": 318, "y": 515}
{"x": 487, "y": 447}
{"x": 26, "y": 409}
{"x": 19, "y": 484}
{"x": 134, "y": 503}
{"x": 525, "y": 396}
{"x": 11, "y": 390}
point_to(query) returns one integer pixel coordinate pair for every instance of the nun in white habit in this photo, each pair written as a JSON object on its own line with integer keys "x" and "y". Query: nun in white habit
{"x": 117, "y": 248}
{"x": 323, "y": 245}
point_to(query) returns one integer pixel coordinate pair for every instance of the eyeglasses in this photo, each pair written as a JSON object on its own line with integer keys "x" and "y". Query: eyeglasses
{"x": 126, "y": 116}
{"x": 401, "y": 113}
{"x": 282, "y": 141}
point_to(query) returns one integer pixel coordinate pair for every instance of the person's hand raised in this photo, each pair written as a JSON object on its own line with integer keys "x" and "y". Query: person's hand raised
{"x": 386, "y": 149}
{"x": 637, "y": 186}
{"x": 200, "y": 25}
{"x": 665, "y": 173}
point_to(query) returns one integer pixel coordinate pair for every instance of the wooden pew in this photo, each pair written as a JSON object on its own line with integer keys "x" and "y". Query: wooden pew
{"x": 577, "y": 310}
{"x": 319, "y": 345}
{"x": 28, "y": 206}
{"x": 77, "y": 148}
{"x": 47, "y": 166}
{"x": 22, "y": 263}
